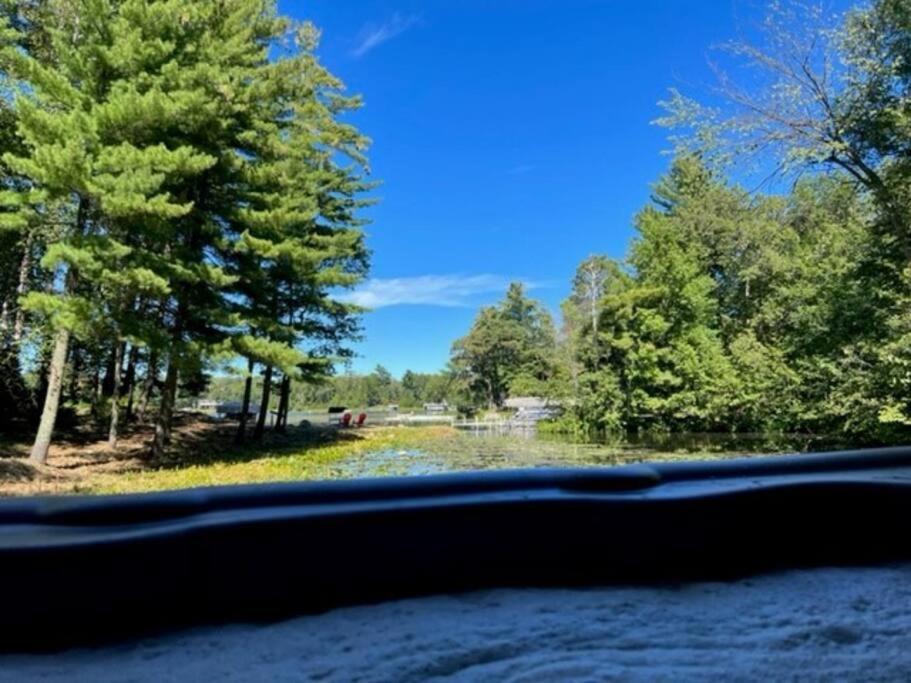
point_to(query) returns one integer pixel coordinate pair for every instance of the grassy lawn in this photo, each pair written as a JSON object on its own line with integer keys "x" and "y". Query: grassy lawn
{"x": 201, "y": 455}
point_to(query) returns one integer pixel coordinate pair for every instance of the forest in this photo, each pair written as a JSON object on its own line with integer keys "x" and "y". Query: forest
{"x": 178, "y": 187}
{"x": 180, "y": 192}
{"x": 379, "y": 388}
{"x": 747, "y": 310}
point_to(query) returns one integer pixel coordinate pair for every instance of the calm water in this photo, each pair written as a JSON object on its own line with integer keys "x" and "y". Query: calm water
{"x": 498, "y": 449}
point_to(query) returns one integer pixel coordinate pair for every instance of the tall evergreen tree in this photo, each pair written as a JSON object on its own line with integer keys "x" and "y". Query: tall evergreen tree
{"x": 176, "y": 157}
{"x": 297, "y": 233}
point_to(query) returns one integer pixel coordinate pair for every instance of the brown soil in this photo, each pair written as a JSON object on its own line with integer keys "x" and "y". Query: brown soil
{"x": 78, "y": 455}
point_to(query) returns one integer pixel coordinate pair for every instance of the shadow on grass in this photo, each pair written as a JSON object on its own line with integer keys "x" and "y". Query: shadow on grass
{"x": 70, "y": 433}
{"x": 81, "y": 453}
{"x": 16, "y": 471}
{"x": 200, "y": 442}
{"x": 16, "y": 439}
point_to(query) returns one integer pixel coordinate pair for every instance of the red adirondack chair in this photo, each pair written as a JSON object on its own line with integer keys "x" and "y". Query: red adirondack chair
{"x": 345, "y": 420}
{"x": 361, "y": 418}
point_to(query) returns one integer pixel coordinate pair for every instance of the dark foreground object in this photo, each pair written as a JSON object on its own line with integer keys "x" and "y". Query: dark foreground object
{"x": 77, "y": 570}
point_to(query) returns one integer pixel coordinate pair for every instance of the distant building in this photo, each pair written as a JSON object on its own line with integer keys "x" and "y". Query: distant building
{"x": 532, "y": 409}
{"x": 436, "y": 407}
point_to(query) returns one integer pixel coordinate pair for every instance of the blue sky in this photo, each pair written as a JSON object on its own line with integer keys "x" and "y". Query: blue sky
{"x": 512, "y": 139}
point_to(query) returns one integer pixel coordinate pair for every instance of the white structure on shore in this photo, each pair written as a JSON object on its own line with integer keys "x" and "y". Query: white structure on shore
{"x": 529, "y": 403}
{"x": 531, "y": 409}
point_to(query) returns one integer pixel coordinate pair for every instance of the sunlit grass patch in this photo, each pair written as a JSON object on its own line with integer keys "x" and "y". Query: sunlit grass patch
{"x": 308, "y": 456}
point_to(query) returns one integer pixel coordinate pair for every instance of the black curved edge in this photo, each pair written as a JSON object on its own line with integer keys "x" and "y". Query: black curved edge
{"x": 82, "y": 570}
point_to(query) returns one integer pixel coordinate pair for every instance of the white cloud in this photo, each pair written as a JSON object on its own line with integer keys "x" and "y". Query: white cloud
{"x": 372, "y": 35}
{"x": 431, "y": 290}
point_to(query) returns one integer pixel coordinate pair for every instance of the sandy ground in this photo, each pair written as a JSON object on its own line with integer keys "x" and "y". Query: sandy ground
{"x": 826, "y": 624}
{"x": 81, "y": 454}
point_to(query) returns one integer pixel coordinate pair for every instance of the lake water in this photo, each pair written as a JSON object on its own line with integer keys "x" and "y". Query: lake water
{"x": 484, "y": 449}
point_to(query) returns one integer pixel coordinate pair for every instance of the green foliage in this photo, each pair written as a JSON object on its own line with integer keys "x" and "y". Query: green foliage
{"x": 376, "y": 389}
{"x": 746, "y": 313}
{"x": 510, "y": 349}
{"x": 179, "y": 188}
{"x": 176, "y": 176}
{"x": 827, "y": 331}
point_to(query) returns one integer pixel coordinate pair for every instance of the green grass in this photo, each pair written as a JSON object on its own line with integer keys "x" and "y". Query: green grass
{"x": 295, "y": 458}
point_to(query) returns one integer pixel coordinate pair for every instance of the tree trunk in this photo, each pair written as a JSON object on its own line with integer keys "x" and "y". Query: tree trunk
{"x": 245, "y": 407}
{"x": 596, "y": 341}
{"x": 264, "y": 404}
{"x": 25, "y": 266}
{"x": 52, "y": 399}
{"x": 61, "y": 347}
{"x": 287, "y": 404}
{"x": 44, "y": 373}
{"x": 96, "y": 395}
{"x": 281, "y": 421}
{"x": 147, "y": 386}
{"x": 130, "y": 381}
{"x": 115, "y": 393}
{"x": 75, "y": 369}
{"x": 162, "y": 435}
{"x": 169, "y": 391}
{"x": 107, "y": 379}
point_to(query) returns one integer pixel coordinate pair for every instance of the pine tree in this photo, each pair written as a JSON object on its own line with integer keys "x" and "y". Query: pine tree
{"x": 297, "y": 235}
{"x": 196, "y": 183}
{"x": 86, "y": 127}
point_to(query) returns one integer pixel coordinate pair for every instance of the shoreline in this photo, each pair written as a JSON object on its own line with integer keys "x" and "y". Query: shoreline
{"x": 202, "y": 454}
